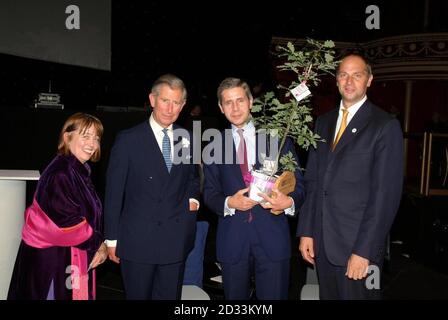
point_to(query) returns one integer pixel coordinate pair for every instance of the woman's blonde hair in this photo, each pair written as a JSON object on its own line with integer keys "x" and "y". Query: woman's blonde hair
{"x": 80, "y": 122}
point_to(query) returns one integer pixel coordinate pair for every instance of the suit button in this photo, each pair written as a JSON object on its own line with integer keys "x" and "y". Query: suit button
{"x": 325, "y": 193}
{"x": 159, "y": 223}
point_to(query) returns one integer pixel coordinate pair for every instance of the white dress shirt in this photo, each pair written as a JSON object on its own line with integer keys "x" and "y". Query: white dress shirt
{"x": 351, "y": 113}
{"x": 157, "y": 129}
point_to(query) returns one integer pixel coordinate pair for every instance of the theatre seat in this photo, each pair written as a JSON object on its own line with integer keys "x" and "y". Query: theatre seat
{"x": 310, "y": 291}
{"x": 192, "y": 292}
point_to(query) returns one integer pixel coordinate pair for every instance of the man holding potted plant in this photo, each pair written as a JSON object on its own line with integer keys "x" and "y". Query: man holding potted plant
{"x": 249, "y": 236}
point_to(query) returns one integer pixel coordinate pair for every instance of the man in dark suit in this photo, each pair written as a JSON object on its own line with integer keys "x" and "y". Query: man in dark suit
{"x": 354, "y": 182}
{"x": 249, "y": 236}
{"x": 150, "y": 206}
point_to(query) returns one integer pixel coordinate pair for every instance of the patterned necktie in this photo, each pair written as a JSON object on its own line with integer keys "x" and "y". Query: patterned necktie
{"x": 166, "y": 149}
{"x": 242, "y": 153}
{"x": 244, "y": 166}
{"x": 341, "y": 128}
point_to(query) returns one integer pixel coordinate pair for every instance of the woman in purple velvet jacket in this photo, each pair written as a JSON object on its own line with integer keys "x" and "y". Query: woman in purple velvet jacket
{"x": 62, "y": 239}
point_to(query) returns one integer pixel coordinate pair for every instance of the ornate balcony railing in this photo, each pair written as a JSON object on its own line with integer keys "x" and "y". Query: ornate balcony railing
{"x": 405, "y": 57}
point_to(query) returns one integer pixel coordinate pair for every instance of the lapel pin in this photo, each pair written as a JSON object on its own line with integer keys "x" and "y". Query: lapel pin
{"x": 354, "y": 130}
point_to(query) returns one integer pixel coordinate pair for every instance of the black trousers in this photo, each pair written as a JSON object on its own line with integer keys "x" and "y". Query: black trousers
{"x": 152, "y": 281}
{"x": 335, "y": 285}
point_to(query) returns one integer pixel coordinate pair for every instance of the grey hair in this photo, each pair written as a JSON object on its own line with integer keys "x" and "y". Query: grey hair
{"x": 171, "y": 81}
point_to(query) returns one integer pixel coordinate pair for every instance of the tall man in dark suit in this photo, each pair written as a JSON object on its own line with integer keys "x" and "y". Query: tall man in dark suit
{"x": 150, "y": 206}
{"x": 249, "y": 236}
{"x": 354, "y": 183}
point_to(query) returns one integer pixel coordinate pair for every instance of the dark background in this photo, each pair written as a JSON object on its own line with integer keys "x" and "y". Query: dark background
{"x": 203, "y": 43}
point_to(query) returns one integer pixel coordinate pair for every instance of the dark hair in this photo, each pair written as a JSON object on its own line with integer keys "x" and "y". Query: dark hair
{"x": 80, "y": 122}
{"x": 229, "y": 83}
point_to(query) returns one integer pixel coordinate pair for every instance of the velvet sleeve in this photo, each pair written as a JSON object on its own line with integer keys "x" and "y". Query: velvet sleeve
{"x": 59, "y": 198}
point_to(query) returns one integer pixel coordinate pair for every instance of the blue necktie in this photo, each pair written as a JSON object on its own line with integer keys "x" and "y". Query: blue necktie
{"x": 166, "y": 149}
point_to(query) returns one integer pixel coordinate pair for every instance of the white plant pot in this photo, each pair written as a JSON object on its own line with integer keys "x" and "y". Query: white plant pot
{"x": 260, "y": 182}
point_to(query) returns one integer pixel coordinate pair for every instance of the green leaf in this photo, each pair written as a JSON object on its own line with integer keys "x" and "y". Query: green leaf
{"x": 329, "y": 44}
{"x": 256, "y": 108}
{"x": 281, "y": 111}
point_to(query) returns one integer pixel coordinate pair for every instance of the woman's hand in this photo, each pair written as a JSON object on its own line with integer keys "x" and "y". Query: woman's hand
{"x": 100, "y": 257}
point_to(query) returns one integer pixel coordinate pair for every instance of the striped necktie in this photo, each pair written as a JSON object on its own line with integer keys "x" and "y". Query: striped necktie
{"x": 242, "y": 153}
{"x": 166, "y": 149}
{"x": 244, "y": 165}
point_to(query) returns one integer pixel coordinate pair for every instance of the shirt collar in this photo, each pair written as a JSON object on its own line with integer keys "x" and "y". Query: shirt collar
{"x": 248, "y": 128}
{"x": 157, "y": 128}
{"x": 353, "y": 108}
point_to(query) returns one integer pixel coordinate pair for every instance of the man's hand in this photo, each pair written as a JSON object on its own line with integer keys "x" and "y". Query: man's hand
{"x": 193, "y": 206}
{"x": 240, "y": 202}
{"x": 357, "y": 267}
{"x": 306, "y": 248}
{"x": 277, "y": 202}
{"x": 112, "y": 256}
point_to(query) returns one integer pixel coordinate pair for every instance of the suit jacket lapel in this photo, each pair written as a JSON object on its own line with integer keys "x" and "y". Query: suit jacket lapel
{"x": 264, "y": 139}
{"x": 258, "y": 136}
{"x": 328, "y": 133}
{"x": 155, "y": 155}
{"x": 331, "y": 128}
{"x": 176, "y": 167}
